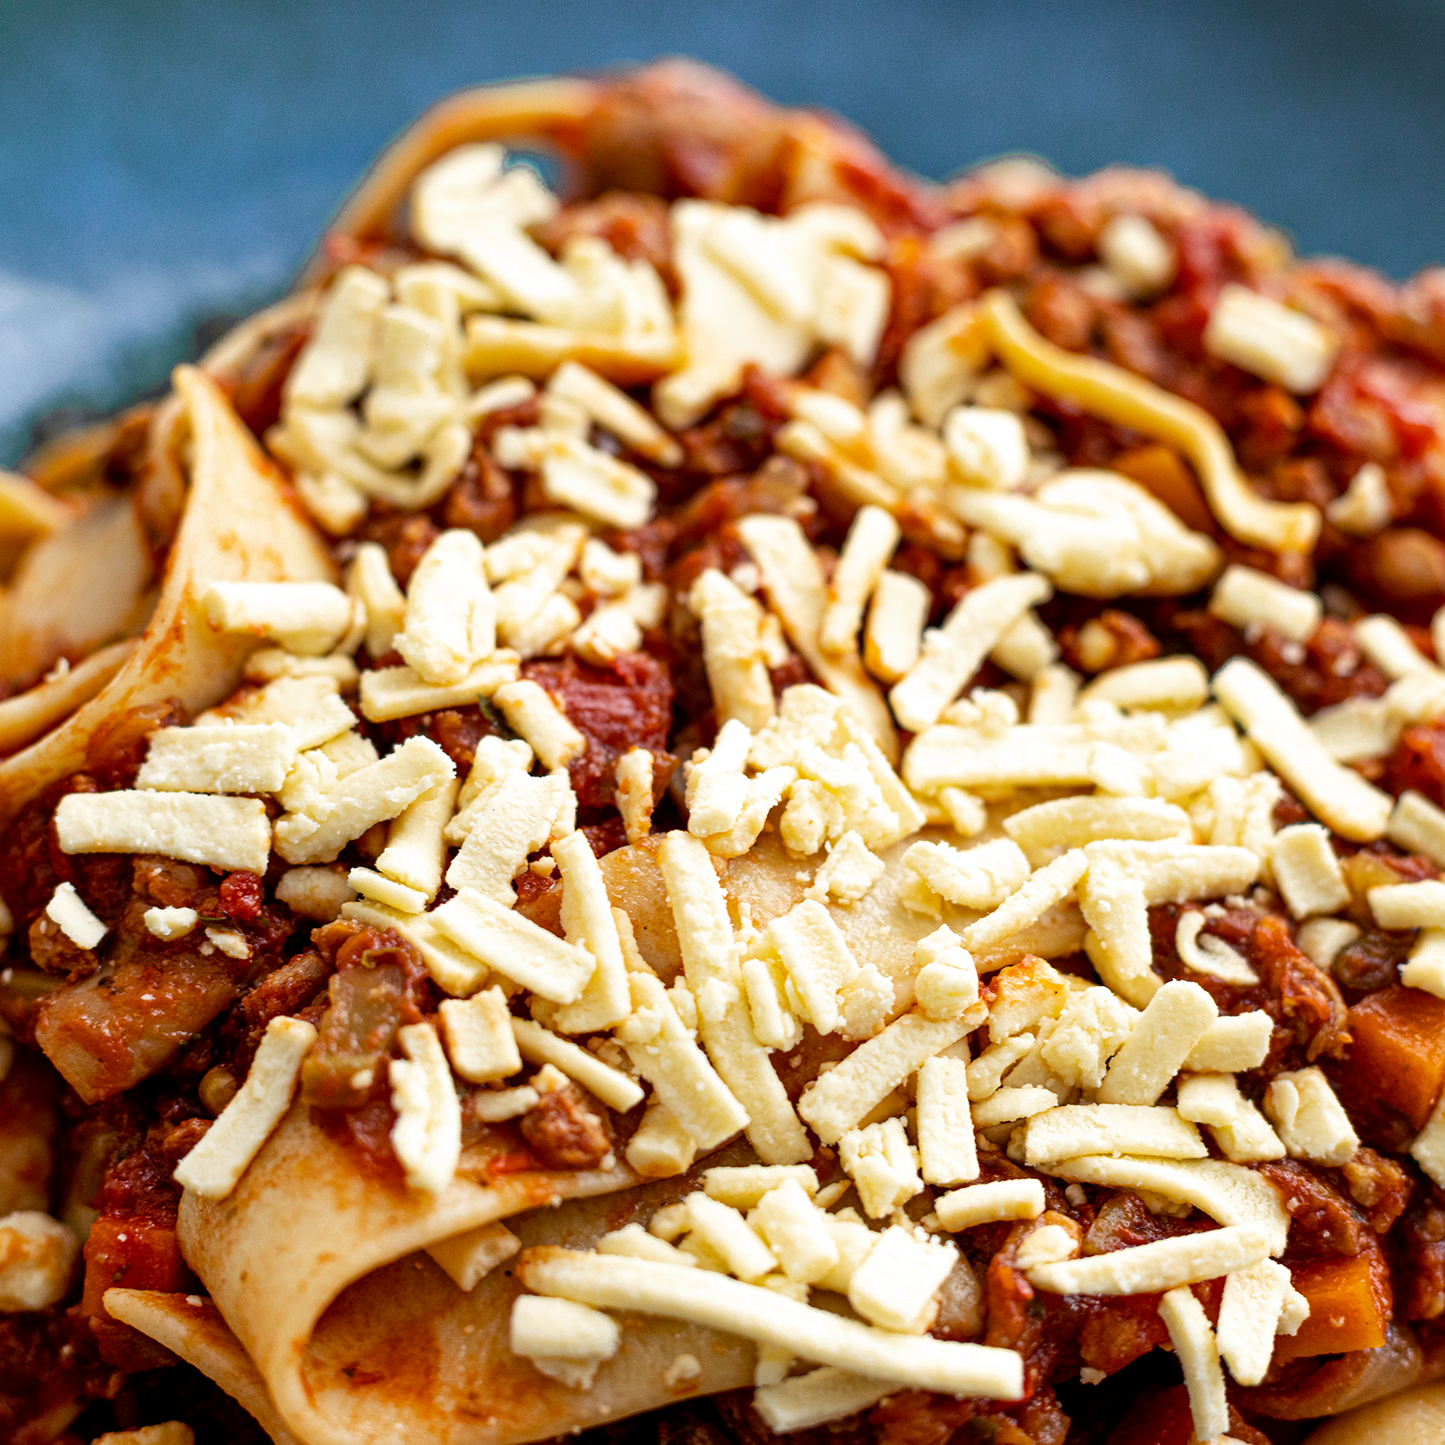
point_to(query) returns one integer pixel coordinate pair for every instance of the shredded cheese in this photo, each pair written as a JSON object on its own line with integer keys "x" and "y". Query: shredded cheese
{"x": 1154, "y": 1268}
{"x": 1270, "y": 340}
{"x": 479, "y": 1038}
{"x": 897, "y": 1286}
{"x": 1172, "y": 1023}
{"x": 772, "y": 1319}
{"x": 215, "y": 1166}
{"x": 818, "y": 1397}
{"x": 1249, "y": 1318}
{"x": 1198, "y": 1355}
{"x": 468, "y": 1258}
{"x": 1306, "y": 870}
{"x": 1249, "y": 599}
{"x": 1309, "y": 1118}
{"x": 870, "y": 543}
{"x": 1351, "y": 806}
{"x": 308, "y": 618}
{"x": 714, "y": 977}
{"x": 228, "y": 833}
{"x": 1078, "y": 1129}
{"x": 838, "y": 1100}
{"x": 952, "y": 654}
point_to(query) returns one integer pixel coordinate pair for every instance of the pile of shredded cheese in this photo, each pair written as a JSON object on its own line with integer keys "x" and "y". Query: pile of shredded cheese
{"x": 1028, "y": 824}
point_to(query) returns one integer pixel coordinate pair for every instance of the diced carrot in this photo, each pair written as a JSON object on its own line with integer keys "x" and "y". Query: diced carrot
{"x": 130, "y": 1252}
{"x": 1159, "y": 469}
{"x": 1346, "y": 1312}
{"x": 1398, "y": 1055}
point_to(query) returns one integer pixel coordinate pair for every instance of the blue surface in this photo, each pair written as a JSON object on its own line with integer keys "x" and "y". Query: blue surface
{"x": 162, "y": 161}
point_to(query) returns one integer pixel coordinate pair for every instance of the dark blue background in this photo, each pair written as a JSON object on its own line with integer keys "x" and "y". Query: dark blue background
{"x": 159, "y": 161}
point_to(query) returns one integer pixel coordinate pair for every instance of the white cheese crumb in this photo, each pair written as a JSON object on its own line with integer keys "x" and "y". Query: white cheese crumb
{"x": 369, "y": 580}
{"x": 1089, "y": 1032}
{"x": 1322, "y": 940}
{"x": 169, "y": 923}
{"x": 539, "y": 1046}
{"x": 796, "y": 1232}
{"x": 952, "y": 653}
{"x": 1136, "y": 255}
{"x": 1013, "y": 1102}
{"x": 1308, "y": 1117}
{"x": 427, "y": 1135}
{"x": 660, "y": 1148}
{"x": 634, "y": 798}
{"x": 849, "y": 871}
{"x": 803, "y": 1402}
{"x": 1425, "y": 968}
{"x": 1409, "y": 905}
{"x": 1072, "y": 822}
{"x": 1198, "y": 1355}
{"x": 1156, "y": 1267}
{"x": 493, "y": 1106}
{"x": 727, "y": 1232}
{"x": 308, "y": 618}
{"x": 981, "y": 877}
{"x": 1171, "y": 684}
{"x": 744, "y": 1185}
{"x": 1365, "y": 506}
{"x": 373, "y": 885}
{"x": 1307, "y": 871}
{"x": 1077, "y": 1129}
{"x": 415, "y": 851}
{"x": 1418, "y": 826}
{"x": 1341, "y": 798}
{"x": 1227, "y": 1193}
{"x": 68, "y": 912}
{"x": 633, "y": 1240}
{"x": 229, "y": 942}
{"x": 870, "y": 542}
{"x": 468, "y": 1258}
{"x": 836, "y": 1102}
{"x": 556, "y": 1332}
{"x": 683, "y": 1370}
{"x": 38, "y": 1256}
{"x": 945, "y": 1131}
{"x": 1239, "y": 1128}
{"x": 372, "y": 794}
{"x": 1389, "y": 647}
{"x": 897, "y": 1286}
{"x": 234, "y": 758}
{"x": 882, "y": 1165}
{"x": 1249, "y": 1316}
{"x": 1048, "y": 1244}
{"x": 534, "y": 713}
{"x": 1172, "y": 1023}
{"x": 989, "y": 1203}
{"x": 770, "y": 1317}
{"x": 479, "y": 1038}
{"x": 1233, "y": 1044}
{"x": 893, "y": 635}
{"x": 663, "y": 1051}
{"x": 1246, "y": 598}
{"x": 987, "y": 447}
{"x": 314, "y": 892}
{"x": 1270, "y": 340}
{"x": 229, "y": 833}
{"x": 215, "y": 1166}
{"x": 710, "y": 964}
